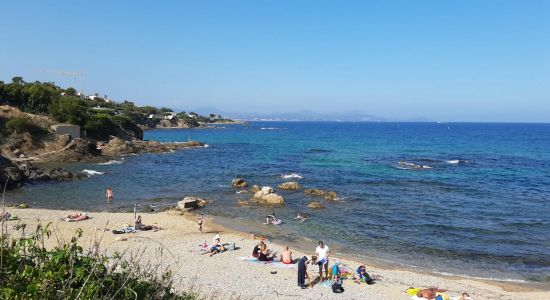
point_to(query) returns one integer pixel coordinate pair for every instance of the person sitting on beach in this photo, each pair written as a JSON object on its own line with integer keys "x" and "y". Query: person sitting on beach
{"x": 465, "y": 296}
{"x": 138, "y": 225}
{"x": 323, "y": 252}
{"x": 216, "y": 248}
{"x": 362, "y": 275}
{"x": 256, "y": 250}
{"x": 302, "y": 273}
{"x": 287, "y": 256}
{"x": 429, "y": 293}
{"x": 265, "y": 254}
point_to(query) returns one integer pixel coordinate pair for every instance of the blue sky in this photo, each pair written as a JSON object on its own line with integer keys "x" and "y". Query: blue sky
{"x": 444, "y": 60}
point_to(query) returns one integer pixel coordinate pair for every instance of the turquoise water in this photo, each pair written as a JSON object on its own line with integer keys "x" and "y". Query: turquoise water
{"x": 480, "y": 207}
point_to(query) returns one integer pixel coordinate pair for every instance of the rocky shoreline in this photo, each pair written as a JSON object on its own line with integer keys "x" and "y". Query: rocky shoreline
{"x": 18, "y": 154}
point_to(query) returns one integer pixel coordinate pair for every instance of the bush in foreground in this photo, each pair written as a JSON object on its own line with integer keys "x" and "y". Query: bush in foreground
{"x": 29, "y": 271}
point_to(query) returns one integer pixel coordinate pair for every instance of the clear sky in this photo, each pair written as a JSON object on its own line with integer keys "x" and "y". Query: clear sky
{"x": 444, "y": 60}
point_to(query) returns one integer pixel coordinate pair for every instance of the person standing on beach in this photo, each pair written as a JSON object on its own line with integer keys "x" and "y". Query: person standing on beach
{"x": 200, "y": 221}
{"x": 323, "y": 252}
{"x": 302, "y": 273}
{"x": 109, "y": 194}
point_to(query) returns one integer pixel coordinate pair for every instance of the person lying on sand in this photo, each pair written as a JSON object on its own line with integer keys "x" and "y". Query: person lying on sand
{"x": 76, "y": 217}
{"x": 465, "y": 296}
{"x": 287, "y": 256}
{"x": 265, "y": 254}
{"x": 429, "y": 293}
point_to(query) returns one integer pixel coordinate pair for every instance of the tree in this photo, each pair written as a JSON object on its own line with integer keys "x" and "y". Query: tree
{"x": 38, "y": 98}
{"x": 17, "y": 80}
{"x": 69, "y": 110}
{"x": 70, "y": 92}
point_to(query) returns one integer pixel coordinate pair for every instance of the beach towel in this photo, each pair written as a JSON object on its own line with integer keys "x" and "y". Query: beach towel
{"x": 273, "y": 264}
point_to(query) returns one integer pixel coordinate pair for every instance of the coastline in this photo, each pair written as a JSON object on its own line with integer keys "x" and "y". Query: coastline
{"x": 242, "y": 279}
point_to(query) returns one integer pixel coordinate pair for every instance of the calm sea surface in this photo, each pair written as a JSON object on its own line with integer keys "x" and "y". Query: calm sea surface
{"x": 480, "y": 206}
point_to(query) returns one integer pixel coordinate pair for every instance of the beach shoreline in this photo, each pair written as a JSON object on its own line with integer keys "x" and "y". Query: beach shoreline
{"x": 242, "y": 279}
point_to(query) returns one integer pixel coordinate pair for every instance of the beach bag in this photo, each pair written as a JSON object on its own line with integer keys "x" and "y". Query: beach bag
{"x": 337, "y": 287}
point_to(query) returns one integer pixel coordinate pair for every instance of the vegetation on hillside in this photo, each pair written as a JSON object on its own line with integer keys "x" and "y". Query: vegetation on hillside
{"x": 97, "y": 115}
{"x": 30, "y": 271}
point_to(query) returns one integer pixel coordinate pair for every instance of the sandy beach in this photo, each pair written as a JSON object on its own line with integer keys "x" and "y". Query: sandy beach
{"x": 228, "y": 276}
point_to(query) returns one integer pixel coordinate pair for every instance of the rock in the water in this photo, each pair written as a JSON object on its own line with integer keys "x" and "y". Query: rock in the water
{"x": 243, "y": 202}
{"x": 11, "y": 173}
{"x": 290, "y": 186}
{"x": 254, "y": 189}
{"x": 328, "y": 195}
{"x": 189, "y": 203}
{"x": 268, "y": 196}
{"x": 315, "y": 205}
{"x": 23, "y": 205}
{"x": 239, "y": 183}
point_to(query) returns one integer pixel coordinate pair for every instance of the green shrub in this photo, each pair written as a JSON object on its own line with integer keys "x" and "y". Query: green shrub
{"x": 100, "y": 127}
{"x": 29, "y": 271}
{"x": 128, "y": 125}
{"x": 21, "y": 124}
{"x": 69, "y": 110}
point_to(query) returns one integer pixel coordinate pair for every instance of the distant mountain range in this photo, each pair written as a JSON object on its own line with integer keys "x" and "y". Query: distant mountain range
{"x": 303, "y": 115}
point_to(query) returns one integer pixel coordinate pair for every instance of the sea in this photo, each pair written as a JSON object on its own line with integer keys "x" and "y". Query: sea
{"x": 469, "y": 199}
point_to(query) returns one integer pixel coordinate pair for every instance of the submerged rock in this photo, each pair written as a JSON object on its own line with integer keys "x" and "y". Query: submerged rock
{"x": 328, "y": 195}
{"x": 239, "y": 183}
{"x": 267, "y": 196}
{"x": 315, "y": 205}
{"x": 254, "y": 189}
{"x": 290, "y": 186}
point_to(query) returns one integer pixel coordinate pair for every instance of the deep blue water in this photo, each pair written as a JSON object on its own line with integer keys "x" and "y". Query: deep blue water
{"x": 486, "y": 216}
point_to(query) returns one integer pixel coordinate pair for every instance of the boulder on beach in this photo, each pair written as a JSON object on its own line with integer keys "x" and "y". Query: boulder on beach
{"x": 315, "y": 205}
{"x": 267, "y": 196}
{"x": 290, "y": 186}
{"x": 190, "y": 202}
{"x": 239, "y": 183}
{"x": 328, "y": 195}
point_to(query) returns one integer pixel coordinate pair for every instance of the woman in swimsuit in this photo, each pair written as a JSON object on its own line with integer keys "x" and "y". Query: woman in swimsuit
{"x": 265, "y": 255}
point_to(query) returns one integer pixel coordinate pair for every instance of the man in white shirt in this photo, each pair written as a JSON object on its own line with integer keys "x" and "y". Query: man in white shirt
{"x": 323, "y": 252}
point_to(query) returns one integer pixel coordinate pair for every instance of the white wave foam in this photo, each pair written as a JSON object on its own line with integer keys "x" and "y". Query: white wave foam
{"x": 111, "y": 162}
{"x": 293, "y": 175}
{"x": 239, "y": 192}
{"x": 92, "y": 172}
{"x": 270, "y": 128}
{"x": 457, "y": 161}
